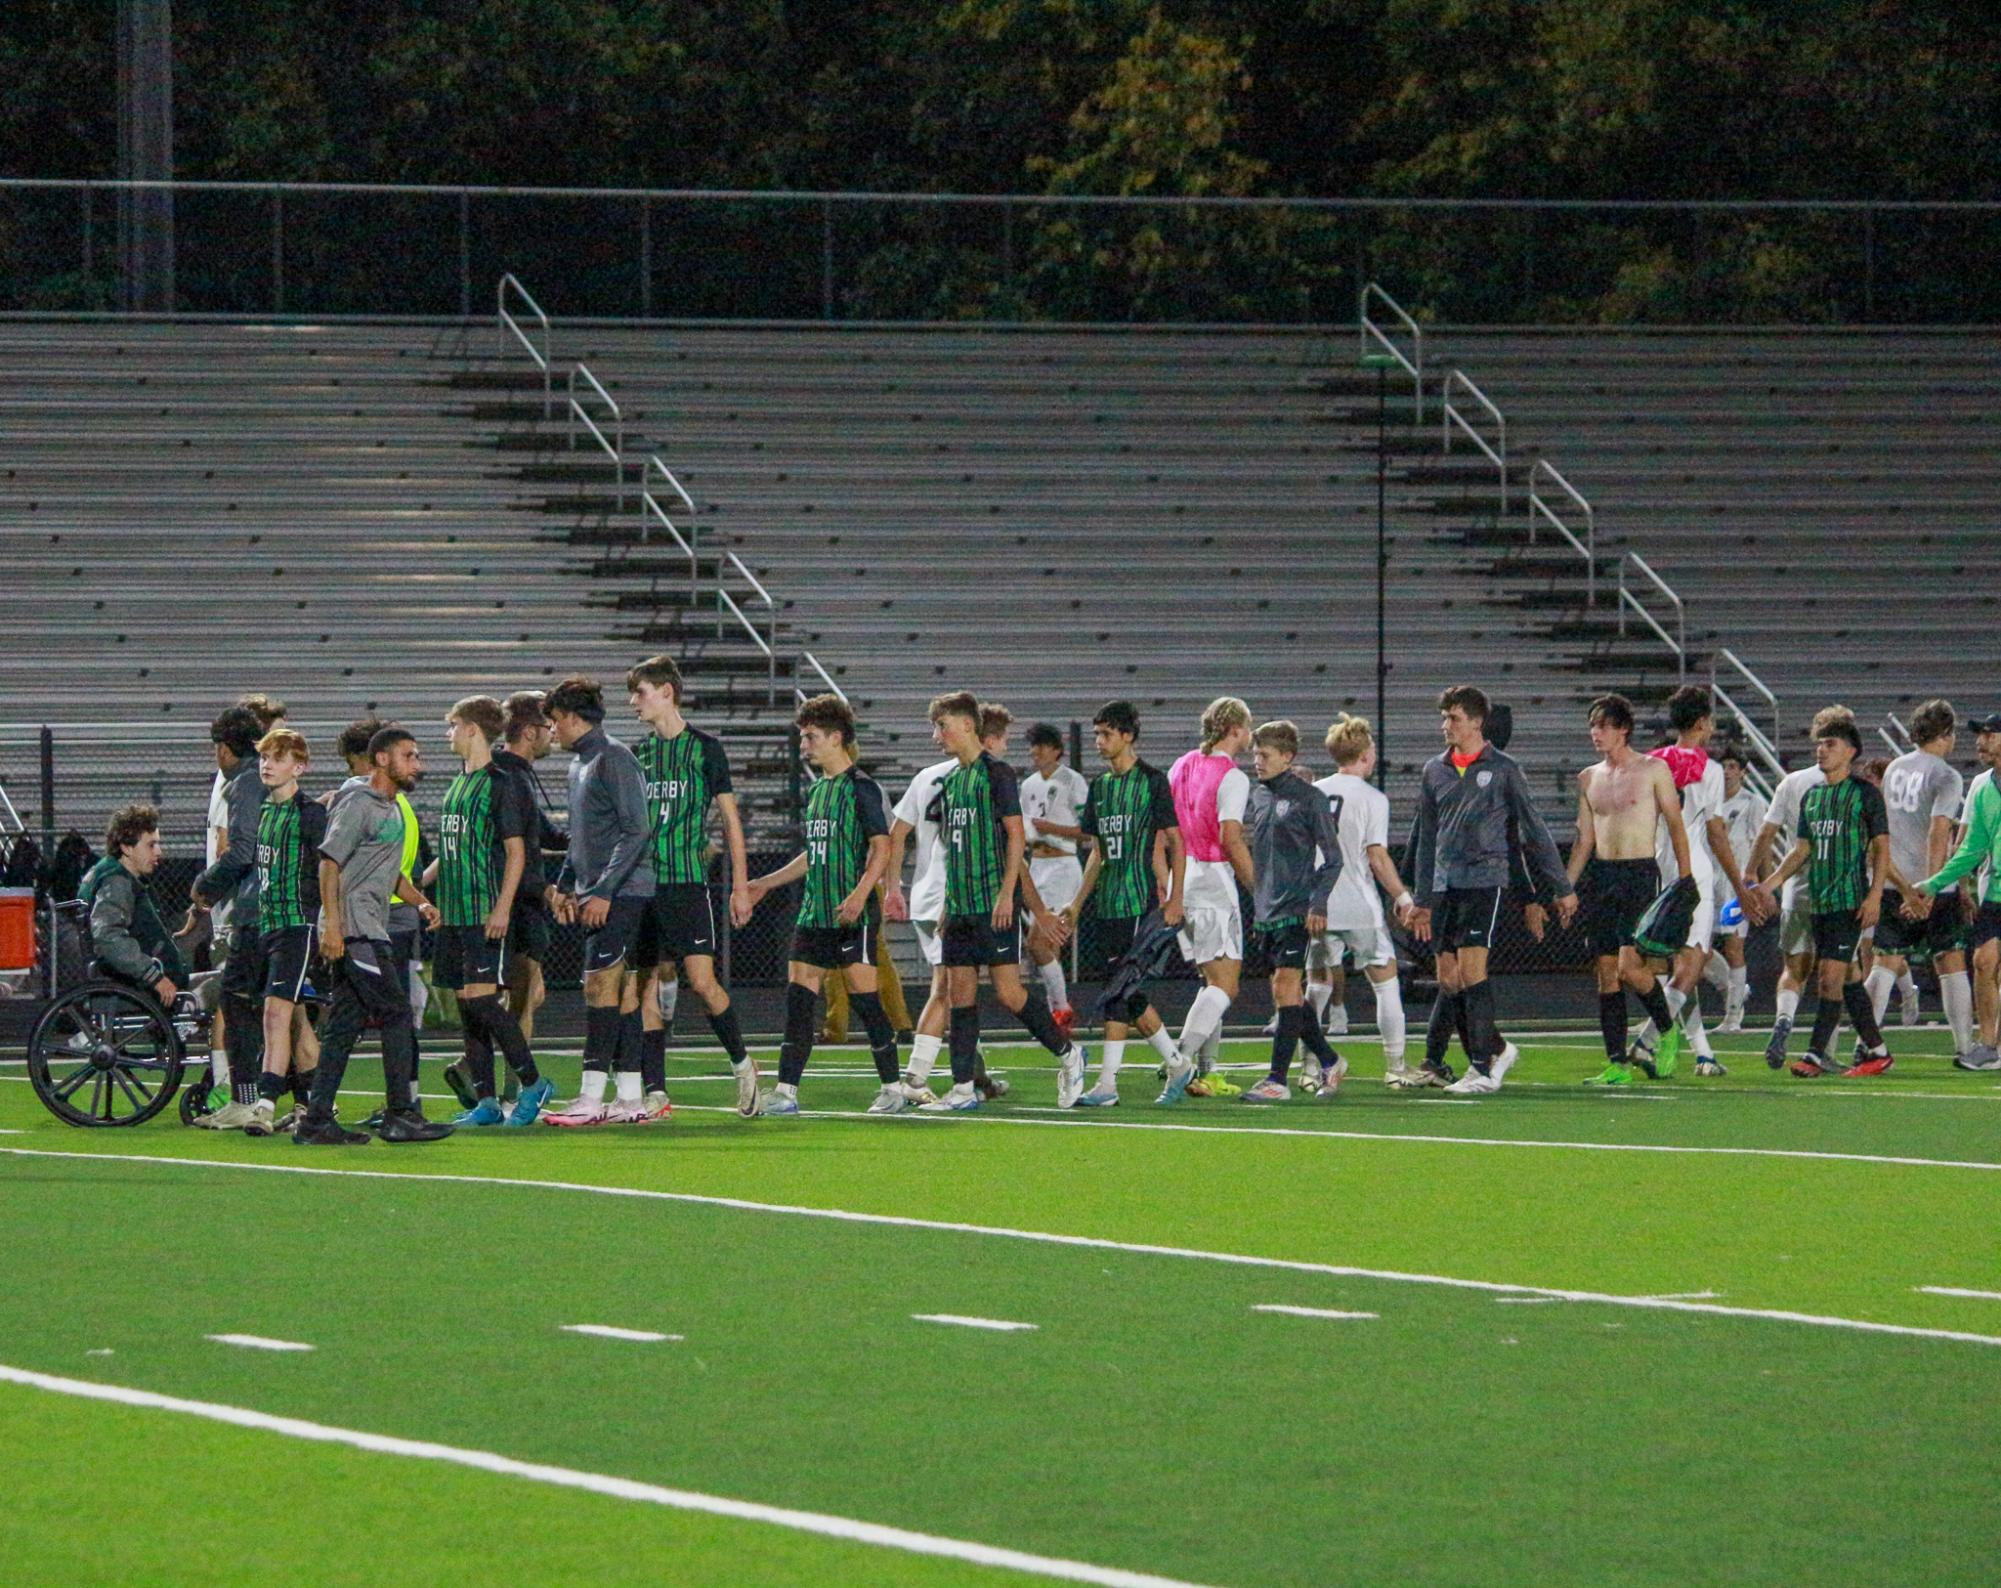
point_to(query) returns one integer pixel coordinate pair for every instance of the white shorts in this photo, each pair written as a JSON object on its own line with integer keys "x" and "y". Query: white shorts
{"x": 1368, "y": 946}
{"x": 1795, "y": 920}
{"x": 1211, "y": 932}
{"x": 930, "y": 941}
{"x": 1702, "y": 925}
{"x": 1057, "y": 879}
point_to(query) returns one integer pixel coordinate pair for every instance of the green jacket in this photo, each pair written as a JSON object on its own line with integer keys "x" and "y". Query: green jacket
{"x": 1980, "y": 846}
{"x": 126, "y": 931}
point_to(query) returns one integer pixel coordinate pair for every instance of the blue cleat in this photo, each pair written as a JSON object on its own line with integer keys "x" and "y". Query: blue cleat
{"x": 484, "y": 1112}
{"x": 1179, "y": 1073}
{"x": 531, "y": 1102}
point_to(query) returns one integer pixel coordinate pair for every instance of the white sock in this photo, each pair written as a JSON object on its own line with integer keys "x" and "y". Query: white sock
{"x": 787, "y": 1089}
{"x": 1677, "y": 1000}
{"x": 628, "y": 1086}
{"x": 1716, "y": 971}
{"x": 1053, "y": 984}
{"x": 1907, "y": 991}
{"x": 669, "y": 996}
{"x": 1879, "y": 983}
{"x": 923, "y": 1056}
{"x": 1163, "y": 1044}
{"x": 1740, "y": 986}
{"x": 1205, "y": 1019}
{"x": 1789, "y": 1005}
{"x": 1691, "y": 1023}
{"x": 1319, "y": 994}
{"x": 1212, "y": 1047}
{"x": 416, "y": 1097}
{"x": 1956, "y": 989}
{"x": 592, "y": 1090}
{"x": 1115, "y": 1055}
{"x": 1390, "y": 1020}
{"x": 218, "y": 1067}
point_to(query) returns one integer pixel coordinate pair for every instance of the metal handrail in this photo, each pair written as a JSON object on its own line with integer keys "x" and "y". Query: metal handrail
{"x": 1414, "y": 365}
{"x": 750, "y": 579}
{"x": 579, "y": 413}
{"x": 1764, "y": 748}
{"x": 827, "y": 678}
{"x": 648, "y": 503}
{"x": 1454, "y": 416}
{"x": 1896, "y": 735}
{"x": 1587, "y": 548}
{"x": 725, "y": 602}
{"x": 508, "y": 322}
{"x": 1763, "y": 690}
{"x": 1628, "y": 599}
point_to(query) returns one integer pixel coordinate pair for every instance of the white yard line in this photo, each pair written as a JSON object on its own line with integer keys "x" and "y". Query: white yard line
{"x": 258, "y": 1342}
{"x": 1953, "y": 1290}
{"x": 1096, "y": 1243}
{"x": 999, "y": 1325}
{"x": 1308, "y": 1312}
{"x": 848, "y": 1529}
{"x": 611, "y": 1331}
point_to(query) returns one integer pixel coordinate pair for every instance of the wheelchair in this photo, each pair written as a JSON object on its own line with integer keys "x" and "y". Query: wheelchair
{"x": 107, "y": 1052}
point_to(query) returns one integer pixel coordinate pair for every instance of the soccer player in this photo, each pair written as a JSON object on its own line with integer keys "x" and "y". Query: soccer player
{"x": 1355, "y": 924}
{"x": 686, "y": 771}
{"x": 1051, "y": 798}
{"x": 847, "y": 849}
{"x": 270, "y": 713}
{"x": 483, "y": 834}
{"x": 978, "y": 810}
{"x": 1795, "y": 901}
{"x": 127, "y": 935}
{"x": 233, "y": 877}
{"x": 528, "y": 737}
{"x": 361, "y": 863}
{"x": 289, "y": 830}
{"x": 1473, "y": 810}
{"x": 1980, "y": 847}
{"x": 1922, "y": 793}
{"x": 1844, "y": 849}
{"x": 1296, "y": 850}
{"x": 607, "y": 884}
{"x": 1621, "y": 800}
{"x": 1743, "y": 813}
{"x": 1128, "y": 820}
{"x": 1210, "y": 794}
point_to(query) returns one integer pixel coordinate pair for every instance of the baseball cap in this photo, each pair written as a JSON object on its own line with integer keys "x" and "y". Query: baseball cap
{"x": 1991, "y": 723}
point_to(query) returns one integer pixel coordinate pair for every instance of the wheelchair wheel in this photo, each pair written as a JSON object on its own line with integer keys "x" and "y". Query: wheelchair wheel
{"x": 103, "y": 1054}
{"x": 196, "y": 1098}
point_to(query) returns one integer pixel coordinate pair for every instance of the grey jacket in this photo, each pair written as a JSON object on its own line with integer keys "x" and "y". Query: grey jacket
{"x": 610, "y": 826}
{"x": 1295, "y": 846}
{"x": 235, "y": 870}
{"x": 1462, "y": 838}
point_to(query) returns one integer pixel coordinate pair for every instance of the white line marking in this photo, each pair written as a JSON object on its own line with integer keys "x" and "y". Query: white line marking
{"x": 841, "y": 1527}
{"x": 1095, "y": 1243}
{"x": 1527, "y": 1301}
{"x": 610, "y": 1331}
{"x": 1002, "y": 1325}
{"x": 103, "y": 1350}
{"x": 13, "y": 1133}
{"x": 257, "y": 1342}
{"x": 1952, "y": 1290}
{"x": 1308, "y": 1312}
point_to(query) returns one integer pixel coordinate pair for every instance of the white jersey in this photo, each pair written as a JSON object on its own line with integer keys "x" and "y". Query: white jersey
{"x": 1212, "y": 884}
{"x": 1362, "y": 814}
{"x": 1057, "y": 797}
{"x": 927, "y": 887}
{"x": 1743, "y": 814}
{"x": 1784, "y": 811}
{"x": 1700, "y": 800}
{"x": 218, "y": 827}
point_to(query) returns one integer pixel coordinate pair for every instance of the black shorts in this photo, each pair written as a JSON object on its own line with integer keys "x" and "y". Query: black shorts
{"x": 288, "y": 958}
{"x": 973, "y": 940}
{"x": 1616, "y": 894}
{"x": 1115, "y": 938}
{"x": 243, "y": 973}
{"x": 1944, "y": 931}
{"x": 1464, "y": 918}
{"x": 1837, "y": 934}
{"x": 467, "y": 957}
{"x": 1284, "y": 941}
{"x": 528, "y": 932}
{"x": 612, "y": 943}
{"x": 680, "y": 922}
{"x": 831, "y": 947}
{"x": 1986, "y": 924}
{"x": 1662, "y": 932}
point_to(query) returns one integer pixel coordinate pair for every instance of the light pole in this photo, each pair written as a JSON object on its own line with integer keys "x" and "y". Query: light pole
{"x": 1382, "y": 363}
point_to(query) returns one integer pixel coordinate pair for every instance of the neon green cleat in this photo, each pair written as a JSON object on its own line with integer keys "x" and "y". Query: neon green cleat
{"x": 1667, "y": 1052}
{"x": 1220, "y": 1085}
{"x": 1613, "y": 1075}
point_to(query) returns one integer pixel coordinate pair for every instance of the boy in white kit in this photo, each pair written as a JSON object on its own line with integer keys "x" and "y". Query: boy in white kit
{"x": 1052, "y": 802}
{"x": 1743, "y": 813}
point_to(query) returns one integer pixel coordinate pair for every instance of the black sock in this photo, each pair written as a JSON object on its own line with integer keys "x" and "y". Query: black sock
{"x": 1484, "y": 1040}
{"x": 881, "y": 1035}
{"x": 243, "y": 1042}
{"x": 965, "y": 1044}
{"x": 1612, "y": 1022}
{"x": 1862, "y": 1015}
{"x": 399, "y": 1066}
{"x": 653, "y": 1059}
{"x": 1654, "y": 1001}
{"x": 729, "y": 1034}
{"x": 1316, "y": 1039}
{"x": 1042, "y": 1025}
{"x": 1444, "y": 1020}
{"x": 478, "y": 1059}
{"x": 271, "y": 1087}
{"x": 631, "y": 1040}
{"x": 600, "y": 1038}
{"x": 1284, "y": 1041}
{"x": 1825, "y": 1019}
{"x": 797, "y": 1047}
{"x": 302, "y": 1086}
{"x": 503, "y": 1031}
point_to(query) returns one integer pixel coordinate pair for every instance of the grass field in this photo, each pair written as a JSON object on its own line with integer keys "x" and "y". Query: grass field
{"x": 1685, "y": 1334}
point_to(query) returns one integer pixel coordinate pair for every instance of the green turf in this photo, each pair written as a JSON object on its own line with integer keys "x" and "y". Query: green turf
{"x": 1152, "y": 1421}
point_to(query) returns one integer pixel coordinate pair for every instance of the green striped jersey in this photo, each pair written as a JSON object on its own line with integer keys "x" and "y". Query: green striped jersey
{"x": 683, "y": 774}
{"x": 969, "y": 808}
{"x": 1840, "y": 820}
{"x": 1123, "y": 813}
{"x": 842, "y": 814}
{"x": 288, "y": 862}
{"x": 482, "y": 810}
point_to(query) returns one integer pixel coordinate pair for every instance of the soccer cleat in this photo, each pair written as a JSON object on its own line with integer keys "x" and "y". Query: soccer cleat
{"x": 1104, "y": 1095}
{"x": 1668, "y": 1053}
{"x": 1309, "y": 1075}
{"x": 1980, "y": 1056}
{"x": 484, "y": 1111}
{"x": 1907, "y": 1011}
{"x": 575, "y": 1116}
{"x": 961, "y": 1099}
{"x": 531, "y": 1102}
{"x": 890, "y": 1100}
{"x": 409, "y": 1124}
{"x": 1220, "y": 1085}
{"x": 1331, "y": 1079}
{"x": 627, "y": 1111}
{"x": 328, "y": 1132}
{"x": 374, "y": 1120}
{"x": 1336, "y": 1023}
{"x": 1614, "y": 1074}
{"x": 231, "y": 1116}
{"x": 1709, "y": 1067}
{"x": 1874, "y": 1064}
{"x": 778, "y": 1104}
{"x": 917, "y": 1094}
{"x": 459, "y": 1079}
{"x": 1180, "y": 1075}
{"x": 1476, "y": 1082}
{"x": 1641, "y": 1057}
{"x": 1270, "y": 1090}
{"x": 264, "y": 1118}
{"x": 656, "y": 1107}
{"x": 1733, "y": 1021}
{"x": 1403, "y": 1078}
{"x": 749, "y": 1101}
{"x": 1070, "y": 1077}
{"x": 1815, "y": 1065}
{"x": 1775, "y": 1050}
{"x": 1504, "y": 1061}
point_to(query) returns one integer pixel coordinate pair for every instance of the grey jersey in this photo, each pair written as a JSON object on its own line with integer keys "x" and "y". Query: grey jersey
{"x": 365, "y": 839}
{"x": 1471, "y": 822}
{"x": 1295, "y": 846}
{"x": 1918, "y": 788}
{"x": 611, "y": 830}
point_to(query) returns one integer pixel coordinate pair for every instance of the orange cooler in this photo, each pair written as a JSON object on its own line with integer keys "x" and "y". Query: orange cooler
{"x": 17, "y": 928}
